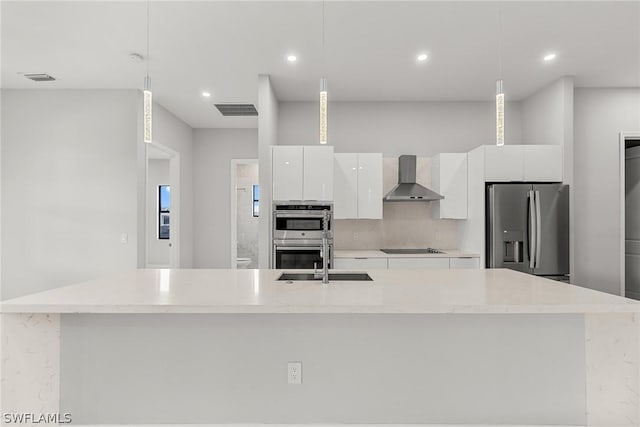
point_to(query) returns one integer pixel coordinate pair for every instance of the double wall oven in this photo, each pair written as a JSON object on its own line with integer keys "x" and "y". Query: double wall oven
{"x": 298, "y": 228}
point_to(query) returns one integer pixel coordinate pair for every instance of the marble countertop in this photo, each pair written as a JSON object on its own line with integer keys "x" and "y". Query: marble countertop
{"x": 258, "y": 291}
{"x": 376, "y": 253}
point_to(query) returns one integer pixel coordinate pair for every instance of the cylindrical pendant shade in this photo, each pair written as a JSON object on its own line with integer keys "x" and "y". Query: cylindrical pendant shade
{"x": 147, "y": 111}
{"x": 499, "y": 113}
{"x": 323, "y": 110}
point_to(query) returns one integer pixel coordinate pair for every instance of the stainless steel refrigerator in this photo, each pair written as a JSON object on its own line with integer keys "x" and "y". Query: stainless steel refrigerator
{"x": 528, "y": 228}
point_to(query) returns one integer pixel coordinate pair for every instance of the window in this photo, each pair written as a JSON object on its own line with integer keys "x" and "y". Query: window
{"x": 164, "y": 206}
{"x": 256, "y": 200}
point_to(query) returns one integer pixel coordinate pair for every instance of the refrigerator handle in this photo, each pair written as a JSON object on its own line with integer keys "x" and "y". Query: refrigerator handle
{"x": 538, "y": 229}
{"x": 531, "y": 229}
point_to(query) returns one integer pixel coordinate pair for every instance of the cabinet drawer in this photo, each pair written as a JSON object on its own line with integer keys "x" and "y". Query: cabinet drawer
{"x": 360, "y": 263}
{"x": 418, "y": 263}
{"x": 464, "y": 262}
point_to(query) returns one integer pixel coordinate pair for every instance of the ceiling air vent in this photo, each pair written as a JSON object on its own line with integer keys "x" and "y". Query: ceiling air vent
{"x": 39, "y": 77}
{"x": 237, "y": 110}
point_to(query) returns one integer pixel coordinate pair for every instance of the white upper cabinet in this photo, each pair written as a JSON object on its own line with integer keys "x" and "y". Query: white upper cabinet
{"x": 358, "y": 185}
{"x": 287, "y": 167}
{"x": 345, "y": 182}
{"x": 543, "y": 163}
{"x": 318, "y": 173}
{"x": 370, "y": 185}
{"x": 449, "y": 178}
{"x": 504, "y": 163}
{"x": 302, "y": 173}
{"x": 523, "y": 163}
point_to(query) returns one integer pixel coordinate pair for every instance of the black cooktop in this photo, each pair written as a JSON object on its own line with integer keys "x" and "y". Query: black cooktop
{"x": 411, "y": 251}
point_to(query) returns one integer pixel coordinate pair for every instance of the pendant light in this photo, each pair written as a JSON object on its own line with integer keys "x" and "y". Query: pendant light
{"x": 323, "y": 92}
{"x": 147, "y": 96}
{"x": 499, "y": 113}
{"x": 499, "y": 88}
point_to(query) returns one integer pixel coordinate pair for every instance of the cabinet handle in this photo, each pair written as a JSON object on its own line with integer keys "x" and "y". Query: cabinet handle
{"x": 361, "y": 257}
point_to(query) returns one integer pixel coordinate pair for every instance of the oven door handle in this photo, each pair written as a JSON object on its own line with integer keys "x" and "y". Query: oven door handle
{"x": 299, "y": 215}
{"x": 297, "y": 248}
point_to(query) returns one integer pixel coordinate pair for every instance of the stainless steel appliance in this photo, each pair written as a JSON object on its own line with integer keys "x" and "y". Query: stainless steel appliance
{"x": 408, "y": 190}
{"x": 412, "y": 251}
{"x": 298, "y": 232}
{"x": 528, "y": 228}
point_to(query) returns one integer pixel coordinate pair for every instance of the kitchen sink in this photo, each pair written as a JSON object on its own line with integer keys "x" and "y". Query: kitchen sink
{"x": 357, "y": 277}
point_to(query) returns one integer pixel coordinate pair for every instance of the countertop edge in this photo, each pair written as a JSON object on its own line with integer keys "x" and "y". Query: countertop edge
{"x": 301, "y": 310}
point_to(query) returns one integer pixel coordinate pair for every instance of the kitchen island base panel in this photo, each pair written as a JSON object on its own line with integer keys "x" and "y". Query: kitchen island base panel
{"x": 30, "y": 368}
{"x": 501, "y": 369}
{"x": 612, "y": 352}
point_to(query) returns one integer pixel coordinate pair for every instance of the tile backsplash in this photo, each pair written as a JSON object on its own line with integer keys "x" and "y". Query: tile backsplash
{"x": 404, "y": 224}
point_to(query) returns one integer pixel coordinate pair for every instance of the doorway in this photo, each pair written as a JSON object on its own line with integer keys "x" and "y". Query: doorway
{"x": 162, "y": 208}
{"x": 244, "y": 213}
{"x": 630, "y": 213}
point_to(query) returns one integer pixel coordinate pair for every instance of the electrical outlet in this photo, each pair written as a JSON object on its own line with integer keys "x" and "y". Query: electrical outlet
{"x": 355, "y": 236}
{"x": 438, "y": 236}
{"x": 124, "y": 238}
{"x": 294, "y": 372}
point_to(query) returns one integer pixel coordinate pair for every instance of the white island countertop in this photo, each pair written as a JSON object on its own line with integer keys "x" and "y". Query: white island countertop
{"x": 258, "y": 291}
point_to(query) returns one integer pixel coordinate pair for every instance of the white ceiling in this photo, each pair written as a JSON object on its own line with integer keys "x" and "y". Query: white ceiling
{"x": 370, "y": 49}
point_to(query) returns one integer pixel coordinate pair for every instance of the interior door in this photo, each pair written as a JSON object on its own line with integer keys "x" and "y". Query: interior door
{"x": 632, "y": 223}
{"x": 507, "y": 226}
{"x": 159, "y": 214}
{"x": 553, "y": 238}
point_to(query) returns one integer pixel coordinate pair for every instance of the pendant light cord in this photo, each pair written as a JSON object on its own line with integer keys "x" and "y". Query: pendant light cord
{"x": 500, "y": 40}
{"x": 148, "y": 83}
{"x": 323, "y": 55}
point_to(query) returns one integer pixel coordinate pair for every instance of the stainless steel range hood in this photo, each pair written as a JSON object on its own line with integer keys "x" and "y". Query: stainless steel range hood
{"x": 408, "y": 190}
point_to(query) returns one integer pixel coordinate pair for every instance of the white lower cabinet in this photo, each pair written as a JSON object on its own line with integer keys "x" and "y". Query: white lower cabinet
{"x": 464, "y": 263}
{"x": 360, "y": 263}
{"x": 379, "y": 263}
{"x": 418, "y": 263}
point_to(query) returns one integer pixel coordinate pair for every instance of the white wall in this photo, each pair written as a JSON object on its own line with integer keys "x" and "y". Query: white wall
{"x": 158, "y": 251}
{"x": 69, "y": 168}
{"x": 543, "y": 114}
{"x": 213, "y": 150}
{"x": 172, "y": 132}
{"x": 600, "y": 115}
{"x": 268, "y": 135}
{"x": 394, "y": 128}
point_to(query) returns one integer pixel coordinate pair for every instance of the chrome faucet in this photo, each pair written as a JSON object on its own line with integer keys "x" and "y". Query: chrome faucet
{"x": 325, "y": 248}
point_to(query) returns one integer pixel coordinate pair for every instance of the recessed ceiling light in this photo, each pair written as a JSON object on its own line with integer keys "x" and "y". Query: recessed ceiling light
{"x": 292, "y": 58}
{"x": 422, "y": 57}
{"x": 206, "y": 94}
{"x": 549, "y": 57}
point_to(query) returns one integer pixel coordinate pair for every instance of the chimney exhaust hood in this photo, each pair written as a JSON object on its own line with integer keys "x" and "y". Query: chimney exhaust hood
{"x": 408, "y": 190}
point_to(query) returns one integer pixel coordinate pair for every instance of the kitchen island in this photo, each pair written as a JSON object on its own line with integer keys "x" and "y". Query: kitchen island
{"x": 212, "y": 346}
